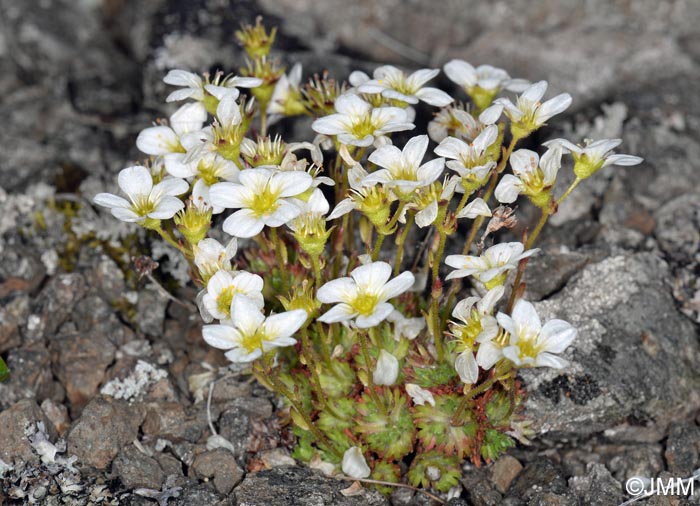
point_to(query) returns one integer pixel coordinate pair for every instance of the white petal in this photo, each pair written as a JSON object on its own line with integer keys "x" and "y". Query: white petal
{"x": 452, "y": 148}
{"x": 400, "y": 284}
{"x": 428, "y": 215}
{"x": 285, "y": 212}
{"x": 166, "y": 208}
{"x": 337, "y": 290}
{"x": 526, "y": 317}
{"x": 343, "y": 207}
{"x": 487, "y": 355}
{"x": 182, "y": 78}
{"x": 380, "y": 314}
{"x": 508, "y": 189}
{"x": 372, "y": 276}
{"x": 491, "y": 114}
{"x": 290, "y": 184}
{"x": 228, "y": 111}
{"x": 476, "y": 207}
{"x": 124, "y": 214}
{"x": 230, "y": 195}
{"x": 386, "y": 370}
{"x": 535, "y": 92}
{"x": 188, "y": 118}
{"x": 246, "y": 315}
{"x": 243, "y": 223}
{"x": 157, "y": 140}
{"x": 223, "y": 337}
{"x": 386, "y": 156}
{"x": 240, "y": 355}
{"x": 434, "y": 96}
{"x": 624, "y": 160}
{"x": 552, "y": 107}
{"x": 352, "y": 105}
{"x": 419, "y": 395}
{"x": 358, "y": 78}
{"x": 110, "y": 200}
{"x": 467, "y": 368}
{"x": 338, "y": 313}
{"x": 333, "y": 124}
{"x": 415, "y": 149}
{"x": 422, "y": 76}
{"x": 285, "y": 324}
{"x": 354, "y": 464}
{"x": 460, "y": 72}
{"x": 135, "y": 180}
{"x": 171, "y": 186}
{"x": 549, "y": 360}
{"x": 556, "y": 336}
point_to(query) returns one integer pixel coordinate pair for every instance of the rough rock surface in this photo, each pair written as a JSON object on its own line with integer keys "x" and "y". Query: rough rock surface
{"x": 79, "y": 80}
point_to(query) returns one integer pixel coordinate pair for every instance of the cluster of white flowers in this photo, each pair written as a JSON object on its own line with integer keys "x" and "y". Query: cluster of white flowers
{"x": 207, "y": 159}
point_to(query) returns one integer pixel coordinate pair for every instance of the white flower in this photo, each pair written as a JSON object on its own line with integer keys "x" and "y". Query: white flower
{"x": 263, "y": 197}
{"x": 363, "y": 296}
{"x": 531, "y": 344}
{"x": 157, "y": 202}
{"x": 286, "y": 95}
{"x": 419, "y": 395}
{"x": 394, "y": 84}
{"x": 170, "y": 141}
{"x": 485, "y": 77}
{"x": 493, "y": 264}
{"x": 386, "y": 370}
{"x": 354, "y": 464}
{"x": 193, "y": 86}
{"x": 459, "y": 123}
{"x": 201, "y": 200}
{"x": 476, "y": 207}
{"x": 210, "y": 256}
{"x": 357, "y": 123}
{"x": 249, "y": 333}
{"x": 467, "y": 155}
{"x": 209, "y": 167}
{"x": 224, "y": 285}
{"x": 594, "y": 155}
{"x": 409, "y": 328}
{"x": 475, "y": 325}
{"x": 531, "y": 176}
{"x": 529, "y": 113}
{"x": 402, "y": 168}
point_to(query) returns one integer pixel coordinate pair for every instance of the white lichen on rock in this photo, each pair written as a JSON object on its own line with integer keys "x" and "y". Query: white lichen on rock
{"x": 136, "y": 384}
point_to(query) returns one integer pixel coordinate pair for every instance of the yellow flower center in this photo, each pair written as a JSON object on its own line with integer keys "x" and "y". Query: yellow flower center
{"x": 362, "y": 127}
{"x": 142, "y": 204}
{"x": 264, "y": 203}
{"x": 528, "y": 345}
{"x": 254, "y": 341}
{"x": 365, "y": 303}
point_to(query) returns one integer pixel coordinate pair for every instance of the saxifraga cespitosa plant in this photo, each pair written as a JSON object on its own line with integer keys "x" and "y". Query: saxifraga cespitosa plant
{"x": 380, "y": 362}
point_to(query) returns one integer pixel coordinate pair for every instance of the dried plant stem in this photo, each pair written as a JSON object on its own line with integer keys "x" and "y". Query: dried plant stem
{"x": 400, "y": 242}
{"x": 391, "y": 484}
{"x": 277, "y": 244}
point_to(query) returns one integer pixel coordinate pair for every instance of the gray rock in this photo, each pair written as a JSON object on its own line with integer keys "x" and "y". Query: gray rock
{"x": 504, "y": 471}
{"x": 296, "y": 486}
{"x": 634, "y": 460}
{"x": 136, "y": 470}
{"x": 104, "y": 427}
{"x": 539, "y": 475}
{"x": 15, "y": 422}
{"x": 597, "y": 487}
{"x": 54, "y": 305}
{"x": 30, "y": 376}
{"x": 683, "y": 449}
{"x": 202, "y": 495}
{"x": 80, "y": 361}
{"x": 13, "y": 314}
{"x": 678, "y": 229}
{"x": 478, "y": 487}
{"x": 220, "y": 466}
{"x": 151, "y": 311}
{"x": 628, "y": 325}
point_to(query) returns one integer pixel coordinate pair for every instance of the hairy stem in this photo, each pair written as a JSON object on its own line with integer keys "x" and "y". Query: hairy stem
{"x": 278, "y": 245}
{"x": 401, "y": 241}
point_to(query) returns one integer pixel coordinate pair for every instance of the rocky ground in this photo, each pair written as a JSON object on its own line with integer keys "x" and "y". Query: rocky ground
{"x": 107, "y": 402}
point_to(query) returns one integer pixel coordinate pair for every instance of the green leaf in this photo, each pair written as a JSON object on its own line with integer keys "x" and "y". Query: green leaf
{"x": 4, "y": 371}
